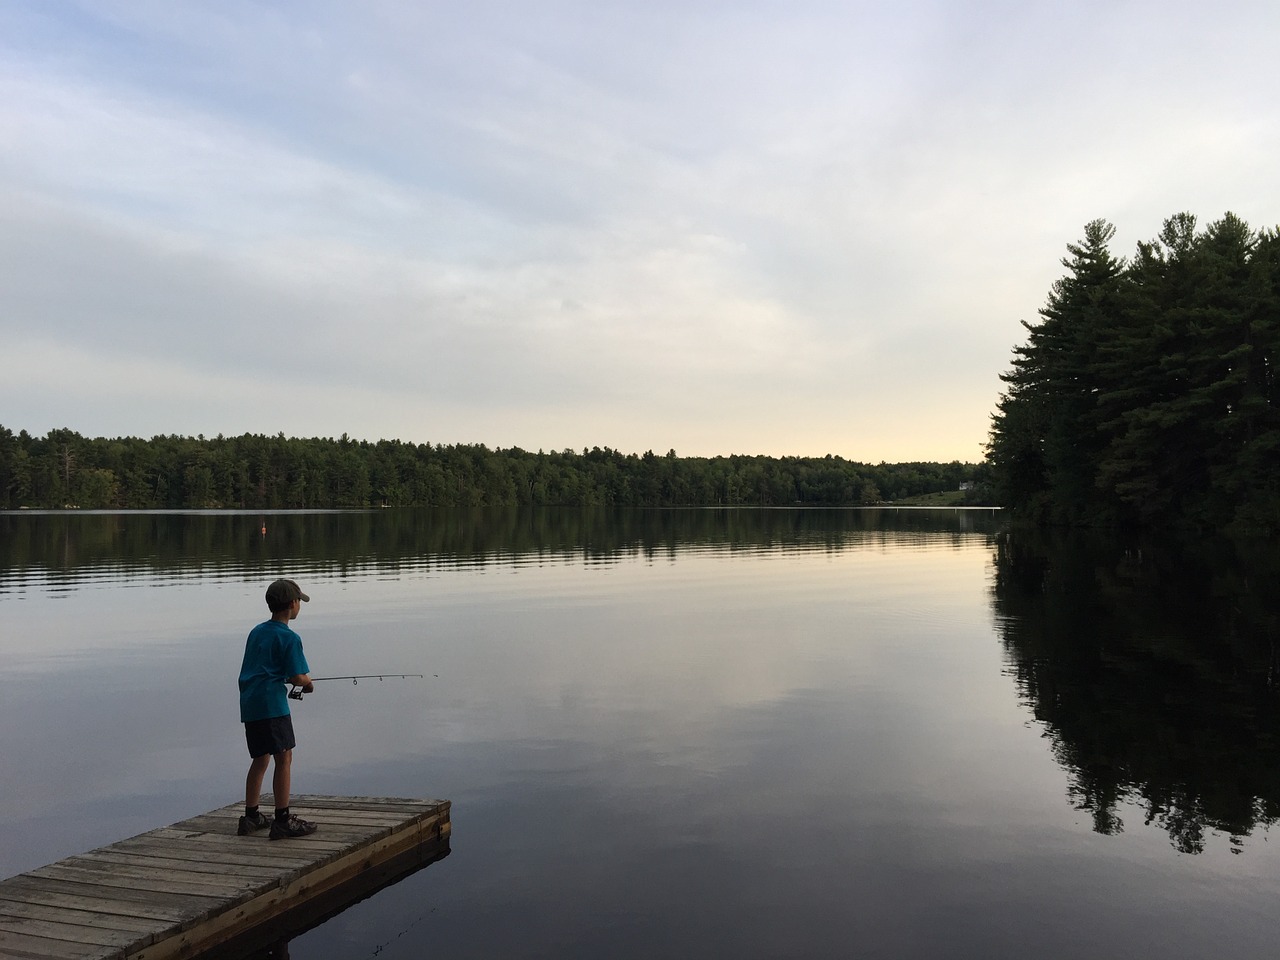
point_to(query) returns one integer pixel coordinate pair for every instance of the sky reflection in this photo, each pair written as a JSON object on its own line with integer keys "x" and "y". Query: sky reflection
{"x": 736, "y": 749}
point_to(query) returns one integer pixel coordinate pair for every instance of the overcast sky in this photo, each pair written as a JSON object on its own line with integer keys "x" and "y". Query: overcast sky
{"x": 720, "y": 227}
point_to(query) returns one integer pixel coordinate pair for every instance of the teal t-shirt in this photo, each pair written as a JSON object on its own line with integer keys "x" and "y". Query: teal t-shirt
{"x": 272, "y": 654}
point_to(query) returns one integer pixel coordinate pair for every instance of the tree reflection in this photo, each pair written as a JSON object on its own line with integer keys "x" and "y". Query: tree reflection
{"x": 1152, "y": 666}
{"x": 71, "y": 546}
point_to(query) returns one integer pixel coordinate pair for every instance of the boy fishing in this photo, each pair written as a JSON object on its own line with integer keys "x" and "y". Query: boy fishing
{"x": 273, "y": 657}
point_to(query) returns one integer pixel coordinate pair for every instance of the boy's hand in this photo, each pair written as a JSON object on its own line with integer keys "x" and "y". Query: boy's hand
{"x": 308, "y": 687}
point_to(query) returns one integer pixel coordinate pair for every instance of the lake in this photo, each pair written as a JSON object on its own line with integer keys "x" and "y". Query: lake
{"x": 714, "y": 733}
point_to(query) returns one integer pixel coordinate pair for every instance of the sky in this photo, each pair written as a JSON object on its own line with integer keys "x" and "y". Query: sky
{"x": 784, "y": 228}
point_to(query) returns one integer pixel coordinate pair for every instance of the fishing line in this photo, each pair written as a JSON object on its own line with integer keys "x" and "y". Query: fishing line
{"x": 296, "y": 692}
{"x": 369, "y": 676}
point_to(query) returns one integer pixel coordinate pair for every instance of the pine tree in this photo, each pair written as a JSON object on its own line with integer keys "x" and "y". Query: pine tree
{"x": 1148, "y": 391}
{"x": 1044, "y": 440}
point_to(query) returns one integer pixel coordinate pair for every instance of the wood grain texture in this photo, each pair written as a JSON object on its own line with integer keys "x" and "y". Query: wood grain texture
{"x": 182, "y": 889}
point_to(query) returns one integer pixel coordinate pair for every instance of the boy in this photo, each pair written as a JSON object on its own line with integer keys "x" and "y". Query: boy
{"x": 272, "y": 657}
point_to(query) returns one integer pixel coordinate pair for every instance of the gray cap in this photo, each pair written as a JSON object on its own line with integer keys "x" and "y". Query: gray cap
{"x": 283, "y": 592}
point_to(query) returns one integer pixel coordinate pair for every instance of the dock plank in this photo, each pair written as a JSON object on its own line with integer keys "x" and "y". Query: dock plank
{"x": 202, "y": 853}
{"x": 85, "y": 918}
{"x": 67, "y": 932}
{"x": 28, "y": 947}
{"x": 134, "y": 879}
{"x": 335, "y": 832}
{"x": 182, "y": 889}
{"x": 212, "y": 865}
{"x": 123, "y": 901}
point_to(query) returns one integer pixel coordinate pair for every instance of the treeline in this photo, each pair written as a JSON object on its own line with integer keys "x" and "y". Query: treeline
{"x": 1147, "y": 393}
{"x": 65, "y": 469}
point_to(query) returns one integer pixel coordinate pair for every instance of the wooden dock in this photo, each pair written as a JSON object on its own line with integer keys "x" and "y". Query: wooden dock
{"x": 194, "y": 886}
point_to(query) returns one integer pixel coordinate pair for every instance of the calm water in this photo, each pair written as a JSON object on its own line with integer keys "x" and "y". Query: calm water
{"x": 702, "y": 733}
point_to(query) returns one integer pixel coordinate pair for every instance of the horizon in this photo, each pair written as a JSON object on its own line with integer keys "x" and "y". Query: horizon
{"x": 542, "y": 451}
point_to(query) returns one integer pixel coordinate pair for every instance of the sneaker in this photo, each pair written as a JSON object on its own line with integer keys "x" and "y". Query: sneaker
{"x": 291, "y": 827}
{"x": 250, "y": 824}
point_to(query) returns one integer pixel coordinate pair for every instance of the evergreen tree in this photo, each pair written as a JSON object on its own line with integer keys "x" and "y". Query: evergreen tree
{"x": 1147, "y": 393}
{"x": 1045, "y": 442}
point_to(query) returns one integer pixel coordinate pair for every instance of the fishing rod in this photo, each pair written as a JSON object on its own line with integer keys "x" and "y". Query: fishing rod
{"x": 296, "y": 692}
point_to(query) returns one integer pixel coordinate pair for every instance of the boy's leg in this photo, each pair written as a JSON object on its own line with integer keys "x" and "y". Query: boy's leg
{"x": 280, "y": 778}
{"x": 285, "y": 824}
{"x": 253, "y": 782}
{"x": 252, "y": 819}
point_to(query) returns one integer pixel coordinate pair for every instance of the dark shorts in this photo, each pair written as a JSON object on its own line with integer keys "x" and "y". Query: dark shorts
{"x": 271, "y": 736}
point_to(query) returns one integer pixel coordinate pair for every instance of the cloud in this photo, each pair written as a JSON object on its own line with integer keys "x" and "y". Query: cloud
{"x": 718, "y": 227}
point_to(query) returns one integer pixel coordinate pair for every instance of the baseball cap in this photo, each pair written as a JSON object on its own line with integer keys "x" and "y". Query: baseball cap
{"x": 281, "y": 593}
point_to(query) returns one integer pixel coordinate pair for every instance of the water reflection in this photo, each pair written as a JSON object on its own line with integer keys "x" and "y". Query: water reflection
{"x": 60, "y": 551}
{"x": 731, "y": 733}
{"x": 272, "y": 942}
{"x": 1153, "y": 668}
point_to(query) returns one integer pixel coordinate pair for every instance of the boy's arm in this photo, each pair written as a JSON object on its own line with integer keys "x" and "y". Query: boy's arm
{"x": 303, "y": 680}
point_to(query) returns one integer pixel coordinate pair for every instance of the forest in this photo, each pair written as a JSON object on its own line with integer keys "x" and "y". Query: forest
{"x": 64, "y": 469}
{"x": 1147, "y": 394}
